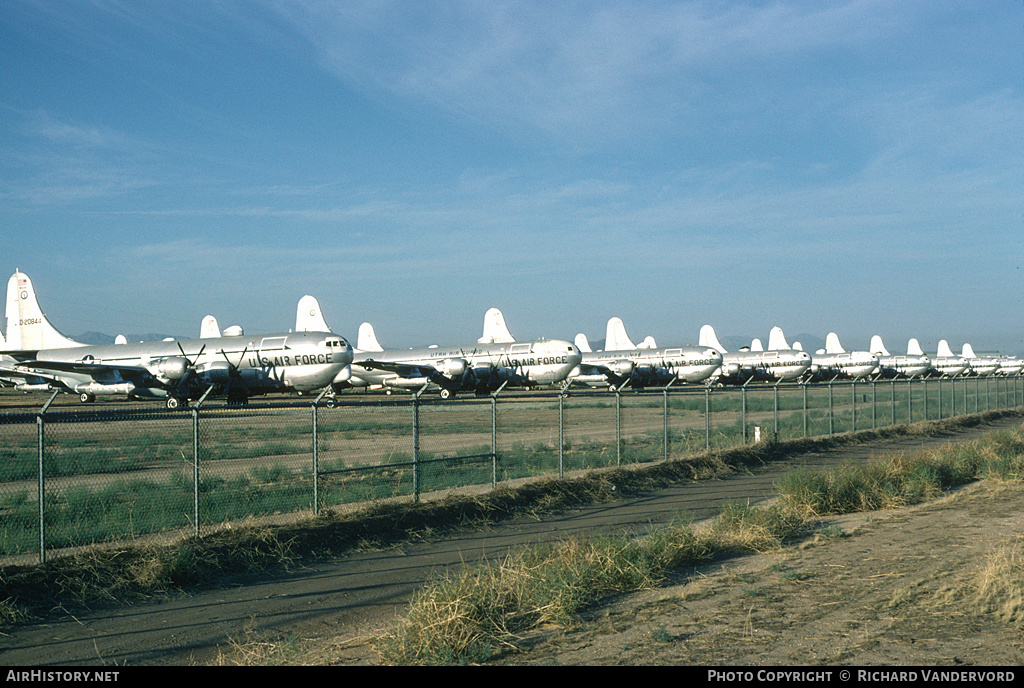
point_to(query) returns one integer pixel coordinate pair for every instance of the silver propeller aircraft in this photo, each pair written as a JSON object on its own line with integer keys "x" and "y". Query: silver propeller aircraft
{"x": 641, "y": 366}
{"x": 175, "y": 371}
{"x": 746, "y": 365}
{"x": 833, "y": 361}
{"x": 481, "y": 367}
{"x": 914, "y": 364}
{"x": 982, "y": 366}
{"x": 946, "y": 363}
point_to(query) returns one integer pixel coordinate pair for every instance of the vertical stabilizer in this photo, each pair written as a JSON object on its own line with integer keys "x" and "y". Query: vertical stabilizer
{"x": 877, "y": 347}
{"x": 367, "y": 339}
{"x": 616, "y": 338}
{"x": 27, "y": 327}
{"x": 309, "y": 317}
{"x": 209, "y": 329}
{"x": 832, "y": 345}
{"x": 968, "y": 351}
{"x": 495, "y": 329}
{"x": 944, "y": 349}
{"x": 756, "y": 345}
{"x": 914, "y": 348}
{"x": 647, "y": 343}
{"x": 709, "y": 338}
{"x": 582, "y": 343}
{"x": 776, "y": 340}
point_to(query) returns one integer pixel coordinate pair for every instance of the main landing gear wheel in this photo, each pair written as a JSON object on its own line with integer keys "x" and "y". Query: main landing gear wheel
{"x": 446, "y": 394}
{"x": 175, "y": 403}
{"x": 87, "y": 398}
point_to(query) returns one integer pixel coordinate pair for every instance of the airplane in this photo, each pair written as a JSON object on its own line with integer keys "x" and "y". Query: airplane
{"x": 835, "y": 362}
{"x": 745, "y": 365}
{"x": 914, "y": 364}
{"x": 1010, "y": 365}
{"x": 982, "y": 366}
{"x": 947, "y": 364}
{"x": 482, "y": 367}
{"x": 175, "y": 371}
{"x": 641, "y": 366}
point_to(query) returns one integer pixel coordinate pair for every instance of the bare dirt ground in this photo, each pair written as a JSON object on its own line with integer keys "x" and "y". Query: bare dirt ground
{"x": 875, "y": 596}
{"x": 881, "y": 594}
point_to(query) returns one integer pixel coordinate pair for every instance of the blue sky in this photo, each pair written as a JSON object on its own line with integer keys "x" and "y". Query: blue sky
{"x": 854, "y": 167}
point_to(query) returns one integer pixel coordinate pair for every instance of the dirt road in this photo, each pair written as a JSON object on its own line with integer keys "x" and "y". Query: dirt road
{"x": 350, "y": 599}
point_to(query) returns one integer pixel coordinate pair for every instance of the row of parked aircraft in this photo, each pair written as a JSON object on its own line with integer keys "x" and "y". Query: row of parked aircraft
{"x": 36, "y": 357}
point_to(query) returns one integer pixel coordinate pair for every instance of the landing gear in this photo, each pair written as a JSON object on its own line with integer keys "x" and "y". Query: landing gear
{"x": 175, "y": 403}
{"x": 87, "y": 398}
{"x": 446, "y": 393}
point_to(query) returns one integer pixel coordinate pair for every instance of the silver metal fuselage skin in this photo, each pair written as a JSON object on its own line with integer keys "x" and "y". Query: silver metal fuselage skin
{"x": 949, "y": 366}
{"x": 301, "y": 361}
{"x": 852, "y": 365}
{"x": 477, "y": 366}
{"x": 771, "y": 366}
{"x": 647, "y": 367}
{"x": 909, "y": 366}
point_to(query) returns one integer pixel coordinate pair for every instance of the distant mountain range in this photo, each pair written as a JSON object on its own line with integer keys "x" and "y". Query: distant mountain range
{"x": 99, "y": 338}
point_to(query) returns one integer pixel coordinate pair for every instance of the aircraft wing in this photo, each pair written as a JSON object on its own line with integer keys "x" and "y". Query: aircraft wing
{"x": 100, "y": 372}
{"x": 409, "y": 370}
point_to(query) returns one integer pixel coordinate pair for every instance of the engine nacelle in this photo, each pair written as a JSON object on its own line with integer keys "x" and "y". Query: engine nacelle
{"x": 455, "y": 367}
{"x": 172, "y": 368}
{"x": 731, "y": 369}
{"x": 621, "y": 367}
{"x": 215, "y": 372}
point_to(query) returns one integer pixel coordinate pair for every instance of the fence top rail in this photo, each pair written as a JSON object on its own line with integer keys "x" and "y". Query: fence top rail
{"x": 18, "y": 408}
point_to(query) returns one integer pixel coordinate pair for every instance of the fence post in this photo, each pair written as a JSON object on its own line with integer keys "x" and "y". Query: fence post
{"x": 743, "y": 411}
{"x": 805, "y": 409}
{"x": 776, "y": 395}
{"x": 707, "y": 419}
{"x": 561, "y": 435}
{"x": 853, "y": 406}
{"x": 416, "y": 445}
{"x": 40, "y": 424}
{"x": 494, "y": 435}
{"x": 831, "y": 421}
{"x": 618, "y": 426}
{"x": 195, "y": 469}
{"x": 892, "y": 399}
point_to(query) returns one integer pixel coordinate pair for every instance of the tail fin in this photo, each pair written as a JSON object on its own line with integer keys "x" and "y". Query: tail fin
{"x": 367, "y": 339}
{"x": 309, "y": 317}
{"x": 756, "y": 345}
{"x": 209, "y": 329}
{"x": 582, "y": 343}
{"x": 709, "y": 338}
{"x": 832, "y": 345}
{"x": 914, "y": 348}
{"x": 776, "y": 340}
{"x": 647, "y": 343}
{"x": 968, "y": 351}
{"x": 944, "y": 349}
{"x": 495, "y": 329}
{"x": 27, "y": 327}
{"x": 877, "y": 347}
{"x": 615, "y": 338}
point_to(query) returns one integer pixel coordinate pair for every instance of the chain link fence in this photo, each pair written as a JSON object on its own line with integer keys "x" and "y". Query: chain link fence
{"x": 72, "y": 476}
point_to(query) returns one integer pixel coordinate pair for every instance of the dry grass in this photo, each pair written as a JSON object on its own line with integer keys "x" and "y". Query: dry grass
{"x": 124, "y": 574}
